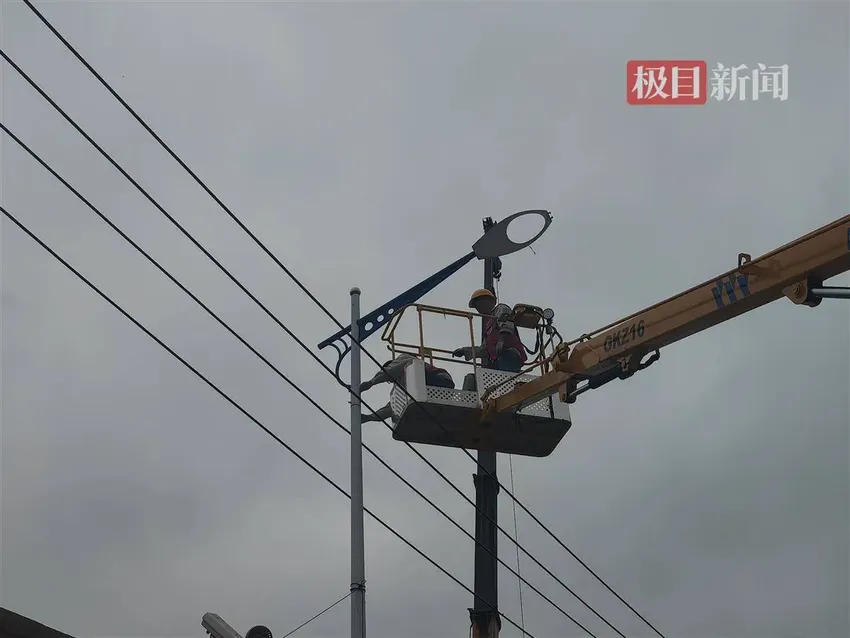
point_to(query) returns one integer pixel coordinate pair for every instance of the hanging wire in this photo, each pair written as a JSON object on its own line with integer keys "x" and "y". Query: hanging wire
{"x": 324, "y": 611}
{"x": 309, "y": 294}
{"x": 516, "y": 532}
{"x": 308, "y": 398}
{"x": 258, "y": 423}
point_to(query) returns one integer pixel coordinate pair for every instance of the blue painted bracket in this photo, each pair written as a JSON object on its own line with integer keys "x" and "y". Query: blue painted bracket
{"x": 378, "y": 317}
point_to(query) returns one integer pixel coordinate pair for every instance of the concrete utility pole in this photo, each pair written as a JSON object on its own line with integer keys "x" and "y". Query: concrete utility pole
{"x": 486, "y": 622}
{"x": 358, "y": 561}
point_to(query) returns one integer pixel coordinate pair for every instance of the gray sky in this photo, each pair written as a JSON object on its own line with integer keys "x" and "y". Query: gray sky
{"x": 364, "y": 143}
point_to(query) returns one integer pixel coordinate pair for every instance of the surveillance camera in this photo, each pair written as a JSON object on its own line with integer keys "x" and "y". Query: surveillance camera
{"x": 217, "y": 628}
{"x": 259, "y": 631}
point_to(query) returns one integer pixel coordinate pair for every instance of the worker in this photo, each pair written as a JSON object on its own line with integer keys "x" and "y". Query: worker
{"x": 501, "y": 347}
{"x": 393, "y": 371}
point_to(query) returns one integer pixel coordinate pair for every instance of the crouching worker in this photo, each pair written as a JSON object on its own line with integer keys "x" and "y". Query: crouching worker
{"x": 393, "y": 372}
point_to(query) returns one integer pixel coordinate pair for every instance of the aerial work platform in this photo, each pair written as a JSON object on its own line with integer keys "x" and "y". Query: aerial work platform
{"x": 528, "y": 413}
{"x": 453, "y": 417}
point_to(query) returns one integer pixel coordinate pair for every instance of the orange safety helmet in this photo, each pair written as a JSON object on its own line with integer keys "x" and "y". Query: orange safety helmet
{"x": 481, "y": 293}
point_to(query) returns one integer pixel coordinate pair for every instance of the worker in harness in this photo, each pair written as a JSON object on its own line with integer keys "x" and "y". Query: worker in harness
{"x": 393, "y": 371}
{"x": 501, "y": 347}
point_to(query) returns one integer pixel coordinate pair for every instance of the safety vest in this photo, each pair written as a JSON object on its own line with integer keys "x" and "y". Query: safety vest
{"x": 509, "y": 340}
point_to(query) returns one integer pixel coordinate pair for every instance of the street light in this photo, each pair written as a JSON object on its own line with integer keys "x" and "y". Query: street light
{"x": 217, "y": 628}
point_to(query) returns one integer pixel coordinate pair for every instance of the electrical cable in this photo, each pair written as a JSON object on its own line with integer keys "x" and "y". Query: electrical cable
{"x": 227, "y": 210}
{"x": 311, "y": 296}
{"x": 297, "y": 340}
{"x": 274, "y": 368}
{"x": 324, "y": 611}
{"x": 516, "y": 536}
{"x": 233, "y": 402}
{"x": 292, "y": 335}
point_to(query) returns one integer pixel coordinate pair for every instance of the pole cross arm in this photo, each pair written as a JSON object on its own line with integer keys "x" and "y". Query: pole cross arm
{"x": 371, "y": 322}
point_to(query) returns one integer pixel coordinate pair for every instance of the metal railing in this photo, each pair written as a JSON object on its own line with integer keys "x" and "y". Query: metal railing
{"x": 433, "y": 353}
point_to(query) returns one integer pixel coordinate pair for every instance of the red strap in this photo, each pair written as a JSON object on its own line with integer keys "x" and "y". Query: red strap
{"x": 511, "y": 340}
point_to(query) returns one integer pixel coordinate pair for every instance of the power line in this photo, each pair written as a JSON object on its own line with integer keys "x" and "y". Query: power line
{"x": 302, "y": 344}
{"x": 299, "y": 342}
{"x": 227, "y": 210}
{"x": 283, "y": 376}
{"x": 516, "y": 536}
{"x": 324, "y": 611}
{"x": 237, "y": 405}
{"x": 317, "y": 302}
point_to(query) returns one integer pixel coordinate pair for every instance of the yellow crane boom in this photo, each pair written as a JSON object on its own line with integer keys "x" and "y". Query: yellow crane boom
{"x": 796, "y": 270}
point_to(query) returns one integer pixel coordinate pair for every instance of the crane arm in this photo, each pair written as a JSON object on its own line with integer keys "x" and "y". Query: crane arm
{"x": 792, "y": 271}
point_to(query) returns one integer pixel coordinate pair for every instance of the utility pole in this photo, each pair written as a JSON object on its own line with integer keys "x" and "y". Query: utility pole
{"x": 358, "y": 562}
{"x": 485, "y": 620}
{"x": 484, "y": 613}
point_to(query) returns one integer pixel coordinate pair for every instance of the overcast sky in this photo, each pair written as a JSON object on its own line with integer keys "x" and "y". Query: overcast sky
{"x": 364, "y": 143}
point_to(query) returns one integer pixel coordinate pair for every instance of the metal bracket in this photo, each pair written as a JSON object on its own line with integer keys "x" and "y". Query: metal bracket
{"x": 341, "y": 355}
{"x": 812, "y": 292}
{"x": 746, "y": 267}
{"x": 624, "y": 370}
{"x": 374, "y": 320}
